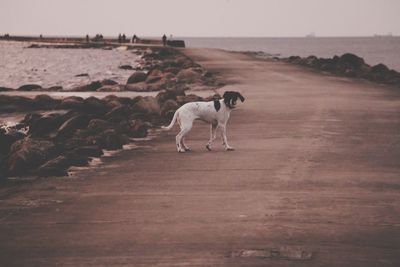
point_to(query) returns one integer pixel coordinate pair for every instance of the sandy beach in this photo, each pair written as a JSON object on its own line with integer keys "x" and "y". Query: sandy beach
{"x": 313, "y": 182}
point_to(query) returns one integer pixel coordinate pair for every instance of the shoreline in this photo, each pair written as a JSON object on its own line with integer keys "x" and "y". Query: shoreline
{"x": 75, "y": 129}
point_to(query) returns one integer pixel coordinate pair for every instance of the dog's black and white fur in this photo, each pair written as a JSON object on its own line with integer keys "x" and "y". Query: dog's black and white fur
{"x": 214, "y": 112}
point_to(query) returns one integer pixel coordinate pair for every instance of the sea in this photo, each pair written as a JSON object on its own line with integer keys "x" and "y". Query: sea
{"x": 374, "y": 50}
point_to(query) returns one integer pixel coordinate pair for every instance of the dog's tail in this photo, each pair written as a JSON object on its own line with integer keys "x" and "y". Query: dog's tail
{"x": 169, "y": 127}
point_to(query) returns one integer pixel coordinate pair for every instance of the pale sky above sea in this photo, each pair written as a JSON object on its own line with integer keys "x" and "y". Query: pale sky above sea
{"x": 202, "y": 18}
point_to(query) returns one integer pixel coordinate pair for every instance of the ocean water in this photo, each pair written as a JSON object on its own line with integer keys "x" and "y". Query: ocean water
{"x": 374, "y": 50}
{"x": 48, "y": 67}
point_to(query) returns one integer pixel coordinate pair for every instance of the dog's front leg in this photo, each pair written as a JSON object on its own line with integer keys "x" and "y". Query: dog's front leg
{"x": 213, "y": 135}
{"x": 225, "y": 139}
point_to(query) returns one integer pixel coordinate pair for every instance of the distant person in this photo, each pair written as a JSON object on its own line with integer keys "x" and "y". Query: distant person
{"x": 41, "y": 37}
{"x": 164, "y": 40}
{"x": 124, "y": 38}
{"x": 119, "y": 38}
{"x": 87, "y": 38}
{"x": 134, "y": 39}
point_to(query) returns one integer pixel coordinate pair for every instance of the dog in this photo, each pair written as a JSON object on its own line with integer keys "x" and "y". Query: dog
{"x": 215, "y": 112}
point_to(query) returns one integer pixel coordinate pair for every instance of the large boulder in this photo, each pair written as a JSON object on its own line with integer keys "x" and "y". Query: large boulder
{"x": 169, "y": 95}
{"x": 97, "y": 126}
{"x": 93, "y": 86}
{"x": 15, "y": 103}
{"x": 110, "y": 140}
{"x": 79, "y": 121}
{"x": 118, "y": 113}
{"x": 188, "y": 98}
{"x": 29, "y": 87}
{"x": 137, "y": 87}
{"x": 168, "y": 109}
{"x": 27, "y": 154}
{"x": 54, "y": 167}
{"x": 71, "y": 102}
{"x": 136, "y": 77}
{"x": 93, "y": 105}
{"x": 39, "y": 127}
{"x": 7, "y": 139}
{"x": 45, "y": 102}
{"x": 148, "y": 105}
{"x": 378, "y": 73}
{"x": 139, "y": 129}
{"x": 189, "y": 76}
{"x": 87, "y": 151}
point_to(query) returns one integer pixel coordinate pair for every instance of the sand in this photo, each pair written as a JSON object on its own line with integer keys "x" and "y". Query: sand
{"x": 314, "y": 181}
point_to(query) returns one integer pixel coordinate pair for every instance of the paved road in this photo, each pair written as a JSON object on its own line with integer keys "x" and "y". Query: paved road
{"x": 315, "y": 181}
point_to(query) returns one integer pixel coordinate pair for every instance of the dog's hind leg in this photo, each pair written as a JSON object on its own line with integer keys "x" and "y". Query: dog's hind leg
{"x": 181, "y": 135}
{"x": 213, "y": 135}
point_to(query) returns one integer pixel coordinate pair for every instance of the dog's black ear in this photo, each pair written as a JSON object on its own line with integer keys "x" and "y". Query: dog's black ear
{"x": 241, "y": 97}
{"x": 227, "y": 94}
{"x": 217, "y": 105}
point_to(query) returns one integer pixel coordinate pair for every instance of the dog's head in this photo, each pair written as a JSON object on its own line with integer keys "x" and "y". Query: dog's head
{"x": 230, "y": 98}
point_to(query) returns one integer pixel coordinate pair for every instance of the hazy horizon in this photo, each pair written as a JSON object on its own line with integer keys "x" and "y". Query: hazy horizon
{"x": 203, "y": 19}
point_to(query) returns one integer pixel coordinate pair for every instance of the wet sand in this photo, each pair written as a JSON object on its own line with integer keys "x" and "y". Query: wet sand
{"x": 314, "y": 181}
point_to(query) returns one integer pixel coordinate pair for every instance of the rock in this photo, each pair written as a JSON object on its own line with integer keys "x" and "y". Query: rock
{"x": 28, "y": 154}
{"x": 139, "y": 129}
{"x": 87, "y": 151}
{"x": 137, "y": 87}
{"x": 7, "y": 139}
{"x": 45, "y": 102}
{"x": 168, "y": 109}
{"x": 351, "y": 60}
{"x": 55, "y": 167}
{"x": 71, "y": 125}
{"x": 110, "y": 140}
{"x": 29, "y": 87}
{"x": 136, "y": 77}
{"x": 71, "y": 102}
{"x": 169, "y": 95}
{"x": 39, "y": 127}
{"x": 126, "y": 67}
{"x": 93, "y": 86}
{"x": 147, "y": 104}
{"x": 5, "y": 89}
{"x": 54, "y": 89}
{"x": 108, "y": 82}
{"x": 188, "y": 76}
{"x": 378, "y": 73}
{"x": 154, "y": 76}
{"x": 15, "y": 102}
{"x": 93, "y": 105}
{"x": 118, "y": 113}
{"x": 189, "y": 98}
{"x": 97, "y": 126}
{"x": 82, "y": 75}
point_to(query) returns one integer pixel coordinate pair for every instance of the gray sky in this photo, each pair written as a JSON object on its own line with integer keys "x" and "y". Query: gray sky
{"x": 201, "y": 17}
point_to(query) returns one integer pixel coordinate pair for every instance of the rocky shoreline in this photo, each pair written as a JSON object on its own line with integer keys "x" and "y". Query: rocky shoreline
{"x": 349, "y": 65}
{"x": 159, "y": 68}
{"x": 59, "y": 133}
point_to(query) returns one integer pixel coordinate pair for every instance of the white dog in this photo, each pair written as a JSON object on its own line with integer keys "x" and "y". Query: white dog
{"x": 214, "y": 112}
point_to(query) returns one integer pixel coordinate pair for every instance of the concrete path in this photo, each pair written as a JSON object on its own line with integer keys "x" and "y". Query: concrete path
{"x": 314, "y": 181}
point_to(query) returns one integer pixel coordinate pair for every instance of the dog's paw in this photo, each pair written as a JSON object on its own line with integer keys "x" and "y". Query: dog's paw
{"x": 229, "y": 148}
{"x": 208, "y": 147}
{"x": 187, "y": 149}
{"x": 181, "y": 151}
